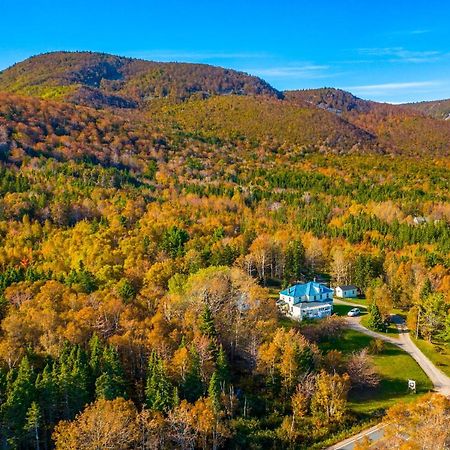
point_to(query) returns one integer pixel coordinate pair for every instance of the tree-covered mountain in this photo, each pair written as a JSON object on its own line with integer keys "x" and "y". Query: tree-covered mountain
{"x": 398, "y": 128}
{"x": 98, "y": 79}
{"x": 228, "y": 104}
{"x": 142, "y": 248}
{"x": 277, "y": 122}
{"x": 330, "y": 99}
{"x": 439, "y": 109}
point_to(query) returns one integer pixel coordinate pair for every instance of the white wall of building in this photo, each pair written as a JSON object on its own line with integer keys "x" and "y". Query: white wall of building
{"x": 353, "y": 293}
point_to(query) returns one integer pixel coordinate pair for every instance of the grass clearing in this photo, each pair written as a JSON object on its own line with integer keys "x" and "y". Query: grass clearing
{"x": 437, "y": 353}
{"x": 395, "y": 368}
{"x": 392, "y": 330}
{"x": 355, "y": 301}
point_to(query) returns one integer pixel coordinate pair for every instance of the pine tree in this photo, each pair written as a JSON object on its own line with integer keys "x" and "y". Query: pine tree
{"x": 126, "y": 290}
{"x": 426, "y": 290}
{"x": 294, "y": 260}
{"x": 82, "y": 278}
{"x": 375, "y": 321}
{"x": 175, "y": 397}
{"x": 214, "y": 392}
{"x": 159, "y": 391}
{"x": 207, "y": 326}
{"x": 47, "y": 397}
{"x": 72, "y": 375}
{"x": 193, "y": 385}
{"x": 222, "y": 369}
{"x": 2, "y": 386}
{"x": 95, "y": 355}
{"x": 33, "y": 423}
{"x": 111, "y": 383}
{"x": 173, "y": 241}
{"x": 20, "y": 394}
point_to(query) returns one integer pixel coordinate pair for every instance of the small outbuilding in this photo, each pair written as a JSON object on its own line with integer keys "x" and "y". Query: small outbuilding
{"x": 347, "y": 291}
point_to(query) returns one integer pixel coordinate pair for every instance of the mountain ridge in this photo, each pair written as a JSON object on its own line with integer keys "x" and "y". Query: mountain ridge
{"x": 224, "y": 103}
{"x": 439, "y": 109}
{"x": 89, "y": 77}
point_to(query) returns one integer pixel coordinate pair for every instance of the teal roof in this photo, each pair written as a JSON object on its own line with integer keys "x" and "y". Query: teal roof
{"x": 308, "y": 289}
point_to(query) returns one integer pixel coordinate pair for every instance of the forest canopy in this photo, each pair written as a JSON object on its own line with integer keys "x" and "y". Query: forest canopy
{"x": 141, "y": 244}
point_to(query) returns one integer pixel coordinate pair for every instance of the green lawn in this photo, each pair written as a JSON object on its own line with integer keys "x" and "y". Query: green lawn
{"x": 438, "y": 353}
{"x": 392, "y": 330}
{"x": 395, "y": 368}
{"x": 351, "y": 341}
{"x": 356, "y": 301}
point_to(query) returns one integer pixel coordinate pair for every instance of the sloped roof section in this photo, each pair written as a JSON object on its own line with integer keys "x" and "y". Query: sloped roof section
{"x": 308, "y": 289}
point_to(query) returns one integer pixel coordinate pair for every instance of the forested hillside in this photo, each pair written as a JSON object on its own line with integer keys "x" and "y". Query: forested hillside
{"x": 439, "y": 109}
{"x": 140, "y": 248}
{"x": 101, "y": 80}
{"x": 398, "y": 128}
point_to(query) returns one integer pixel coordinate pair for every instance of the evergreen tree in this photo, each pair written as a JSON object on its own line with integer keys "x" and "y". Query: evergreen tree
{"x": 2, "y": 386}
{"x": 72, "y": 375}
{"x": 20, "y": 394}
{"x": 305, "y": 359}
{"x": 214, "y": 392}
{"x": 111, "y": 383}
{"x": 95, "y": 355}
{"x": 294, "y": 260}
{"x": 47, "y": 397}
{"x": 222, "y": 368}
{"x": 159, "y": 391}
{"x": 426, "y": 290}
{"x": 193, "y": 385}
{"x": 33, "y": 423}
{"x": 175, "y": 397}
{"x": 365, "y": 269}
{"x": 207, "y": 326}
{"x": 82, "y": 278}
{"x": 173, "y": 241}
{"x": 375, "y": 321}
{"x": 126, "y": 290}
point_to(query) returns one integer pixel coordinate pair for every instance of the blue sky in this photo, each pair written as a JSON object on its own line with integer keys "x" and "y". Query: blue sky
{"x": 382, "y": 50}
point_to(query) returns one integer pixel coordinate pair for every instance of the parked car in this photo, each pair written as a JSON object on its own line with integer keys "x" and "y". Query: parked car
{"x": 354, "y": 312}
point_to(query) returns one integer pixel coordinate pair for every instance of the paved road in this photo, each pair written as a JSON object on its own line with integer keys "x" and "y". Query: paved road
{"x": 441, "y": 382}
{"x": 373, "y": 434}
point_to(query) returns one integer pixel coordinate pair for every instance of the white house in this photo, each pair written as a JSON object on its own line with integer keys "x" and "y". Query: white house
{"x": 308, "y": 301}
{"x": 348, "y": 291}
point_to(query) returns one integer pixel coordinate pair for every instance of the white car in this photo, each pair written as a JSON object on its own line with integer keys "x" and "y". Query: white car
{"x": 354, "y": 312}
